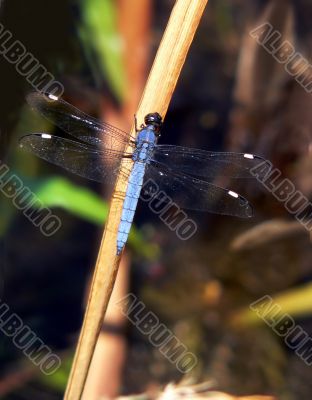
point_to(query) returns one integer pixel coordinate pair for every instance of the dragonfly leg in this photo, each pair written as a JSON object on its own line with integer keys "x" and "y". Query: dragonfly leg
{"x": 136, "y": 123}
{"x": 137, "y": 129}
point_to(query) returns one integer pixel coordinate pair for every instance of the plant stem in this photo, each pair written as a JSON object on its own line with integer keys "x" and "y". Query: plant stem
{"x": 158, "y": 91}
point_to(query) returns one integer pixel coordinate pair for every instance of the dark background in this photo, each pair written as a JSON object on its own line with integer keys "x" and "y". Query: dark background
{"x": 195, "y": 288}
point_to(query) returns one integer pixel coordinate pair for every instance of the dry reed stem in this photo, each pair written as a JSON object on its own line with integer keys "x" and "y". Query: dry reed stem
{"x": 158, "y": 91}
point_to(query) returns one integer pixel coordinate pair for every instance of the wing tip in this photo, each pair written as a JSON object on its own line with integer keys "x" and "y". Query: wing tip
{"x": 244, "y": 205}
{"x": 24, "y": 140}
{"x": 248, "y": 208}
{"x": 32, "y": 98}
{"x": 249, "y": 211}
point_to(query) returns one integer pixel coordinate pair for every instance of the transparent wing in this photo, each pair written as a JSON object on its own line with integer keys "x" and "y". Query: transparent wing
{"x": 79, "y": 158}
{"x": 194, "y": 194}
{"x": 76, "y": 123}
{"x": 206, "y": 164}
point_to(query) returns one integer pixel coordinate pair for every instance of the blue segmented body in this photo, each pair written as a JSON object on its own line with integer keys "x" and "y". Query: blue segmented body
{"x": 146, "y": 141}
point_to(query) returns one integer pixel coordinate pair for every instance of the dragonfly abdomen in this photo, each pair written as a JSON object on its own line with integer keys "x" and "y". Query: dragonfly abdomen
{"x": 130, "y": 203}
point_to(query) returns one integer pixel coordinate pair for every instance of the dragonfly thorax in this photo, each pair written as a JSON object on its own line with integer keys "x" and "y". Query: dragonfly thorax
{"x": 145, "y": 143}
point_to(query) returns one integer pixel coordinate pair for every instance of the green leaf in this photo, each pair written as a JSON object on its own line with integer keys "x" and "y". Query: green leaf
{"x": 99, "y": 33}
{"x": 59, "y": 192}
{"x": 58, "y": 380}
{"x": 295, "y": 302}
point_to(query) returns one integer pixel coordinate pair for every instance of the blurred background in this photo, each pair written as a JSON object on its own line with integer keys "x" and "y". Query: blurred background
{"x": 231, "y": 96}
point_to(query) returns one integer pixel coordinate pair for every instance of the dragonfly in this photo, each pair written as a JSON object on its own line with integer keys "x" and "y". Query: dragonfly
{"x": 184, "y": 174}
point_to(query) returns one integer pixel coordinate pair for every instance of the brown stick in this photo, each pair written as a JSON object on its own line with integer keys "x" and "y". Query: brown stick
{"x": 158, "y": 91}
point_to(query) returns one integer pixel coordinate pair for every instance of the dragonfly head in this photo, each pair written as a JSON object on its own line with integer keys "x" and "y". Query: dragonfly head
{"x": 155, "y": 120}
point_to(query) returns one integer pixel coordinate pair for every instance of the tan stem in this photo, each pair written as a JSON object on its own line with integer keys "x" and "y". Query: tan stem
{"x": 158, "y": 91}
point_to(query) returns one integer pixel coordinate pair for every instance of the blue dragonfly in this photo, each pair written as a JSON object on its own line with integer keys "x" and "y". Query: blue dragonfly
{"x": 184, "y": 174}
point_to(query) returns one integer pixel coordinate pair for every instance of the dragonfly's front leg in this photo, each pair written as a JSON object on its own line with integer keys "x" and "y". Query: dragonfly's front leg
{"x": 137, "y": 129}
{"x": 136, "y": 123}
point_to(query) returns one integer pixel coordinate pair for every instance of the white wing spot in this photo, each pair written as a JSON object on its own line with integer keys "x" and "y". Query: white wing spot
{"x": 46, "y": 136}
{"x": 52, "y": 97}
{"x": 250, "y": 156}
{"x": 233, "y": 194}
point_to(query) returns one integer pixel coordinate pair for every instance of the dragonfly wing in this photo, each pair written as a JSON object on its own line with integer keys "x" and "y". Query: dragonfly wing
{"x": 79, "y": 158}
{"x": 207, "y": 164}
{"x": 193, "y": 194}
{"x": 76, "y": 123}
